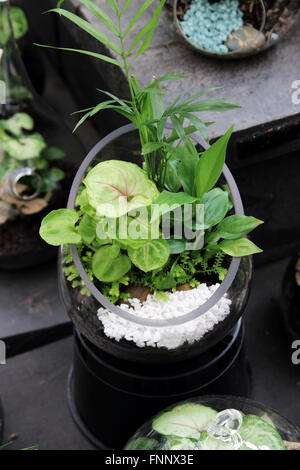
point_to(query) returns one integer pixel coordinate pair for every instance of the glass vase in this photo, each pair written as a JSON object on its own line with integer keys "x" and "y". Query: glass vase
{"x": 35, "y": 165}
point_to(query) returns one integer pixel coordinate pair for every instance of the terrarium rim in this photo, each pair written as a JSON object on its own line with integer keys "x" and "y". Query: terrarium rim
{"x": 203, "y": 308}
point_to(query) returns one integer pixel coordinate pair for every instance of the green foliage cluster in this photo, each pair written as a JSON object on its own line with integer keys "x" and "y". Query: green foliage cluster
{"x": 18, "y": 21}
{"x": 22, "y": 146}
{"x": 173, "y": 174}
{"x": 189, "y": 426}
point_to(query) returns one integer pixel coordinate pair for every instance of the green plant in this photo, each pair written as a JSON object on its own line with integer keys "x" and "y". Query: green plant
{"x": 174, "y": 174}
{"x": 146, "y": 107}
{"x": 21, "y": 146}
{"x": 18, "y": 21}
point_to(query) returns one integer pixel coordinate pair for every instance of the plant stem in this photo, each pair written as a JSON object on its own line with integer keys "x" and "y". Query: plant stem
{"x": 143, "y": 137}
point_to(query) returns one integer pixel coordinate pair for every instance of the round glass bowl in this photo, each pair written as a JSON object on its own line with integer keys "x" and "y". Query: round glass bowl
{"x": 156, "y": 434}
{"x": 124, "y": 144}
{"x": 272, "y": 34}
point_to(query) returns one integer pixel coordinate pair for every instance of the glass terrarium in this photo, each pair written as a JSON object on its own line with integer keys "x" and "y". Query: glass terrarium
{"x": 117, "y": 329}
{"x": 217, "y": 423}
{"x": 34, "y": 176}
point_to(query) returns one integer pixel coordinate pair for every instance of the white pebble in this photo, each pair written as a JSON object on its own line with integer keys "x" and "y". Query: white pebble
{"x": 179, "y": 303}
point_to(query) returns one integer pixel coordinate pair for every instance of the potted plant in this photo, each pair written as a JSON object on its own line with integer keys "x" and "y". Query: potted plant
{"x": 32, "y": 167}
{"x": 233, "y": 29}
{"x": 155, "y": 266}
{"x": 217, "y": 423}
{"x": 146, "y": 271}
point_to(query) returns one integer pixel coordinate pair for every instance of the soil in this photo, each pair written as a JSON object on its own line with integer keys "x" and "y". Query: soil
{"x": 141, "y": 293}
{"x": 279, "y": 13}
{"x": 20, "y": 236}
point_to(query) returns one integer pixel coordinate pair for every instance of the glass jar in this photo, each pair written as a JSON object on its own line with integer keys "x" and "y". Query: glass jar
{"x": 228, "y": 430}
{"x": 34, "y": 174}
{"x": 82, "y": 308}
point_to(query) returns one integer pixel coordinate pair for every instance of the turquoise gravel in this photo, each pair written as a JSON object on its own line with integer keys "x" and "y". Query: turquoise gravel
{"x": 208, "y": 24}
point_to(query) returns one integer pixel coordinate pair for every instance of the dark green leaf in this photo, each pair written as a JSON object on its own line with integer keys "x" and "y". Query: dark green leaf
{"x": 210, "y": 165}
{"x": 187, "y": 166}
{"x": 53, "y": 153}
{"x": 142, "y": 443}
{"x": 215, "y": 206}
{"x": 236, "y": 226}
{"x": 177, "y": 246}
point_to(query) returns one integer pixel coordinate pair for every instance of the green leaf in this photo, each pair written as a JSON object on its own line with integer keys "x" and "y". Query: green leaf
{"x": 186, "y": 420}
{"x": 25, "y": 148}
{"x": 215, "y": 206}
{"x": 187, "y": 166}
{"x": 53, "y": 153}
{"x": 101, "y": 15}
{"x": 167, "y": 201}
{"x": 51, "y": 178}
{"x": 137, "y": 16}
{"x": 87, "y": 27}
{"x": 126, "y": 5}
{"x": 146, "y": 42}
{"x": 178, "y": 126}
{"x": 109, "y": 265}
{"x": 198, "y": 123}
{"x": 58, "y": 227}
{"x": 147, "y": 27}
{"x": 177, "y": 246}
{"x": 152, "y": 255}
{"x": 17, "y": 123}
{"x": 142, "y": 443}
{"x": 81, "y": 51}
{"x": 115, "y": 188}
{"x": 213, "y": 104}
{"x": 18, "y": 21}
{"x": 172, "y": 181}
{"x": 239, "y": 247}
{"x": 210, "y": 165}
{"x": 87, "y": 228}
{"x": 236, "y": 226}
{"x": 150, "y": 147}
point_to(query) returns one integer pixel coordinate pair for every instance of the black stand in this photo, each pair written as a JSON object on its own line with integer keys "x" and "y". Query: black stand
{"x": 1, "y": 422}
{"x": 110, "y": 398}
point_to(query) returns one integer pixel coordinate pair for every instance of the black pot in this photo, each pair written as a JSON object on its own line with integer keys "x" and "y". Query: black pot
{"x": 290, "y": 300}
{"x": 110, "y": 398}
{"x": 1, "y": 422}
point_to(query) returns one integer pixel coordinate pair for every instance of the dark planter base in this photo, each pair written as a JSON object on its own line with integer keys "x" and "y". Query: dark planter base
{"x": 1, "y": 422}
{"x": 110, "y": 398}
{"x": 290, "y": 300}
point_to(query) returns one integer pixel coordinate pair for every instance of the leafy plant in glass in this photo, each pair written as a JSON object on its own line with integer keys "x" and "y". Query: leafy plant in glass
{"x": 32, "y": 141}
{"x": 217, "y": 423}
{"x": 172, "y": 173}
{"x": 21, "y": 146}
